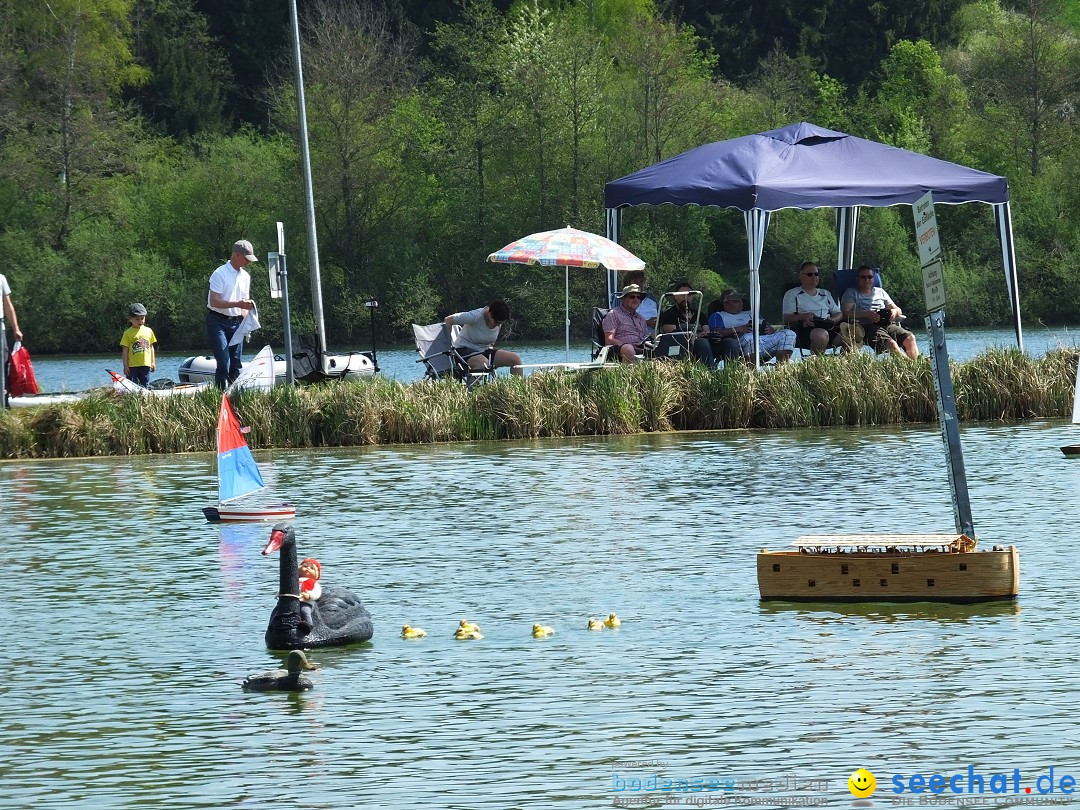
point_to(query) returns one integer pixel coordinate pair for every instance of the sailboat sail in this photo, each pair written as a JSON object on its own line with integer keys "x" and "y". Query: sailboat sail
{"x": 238, "y": 474}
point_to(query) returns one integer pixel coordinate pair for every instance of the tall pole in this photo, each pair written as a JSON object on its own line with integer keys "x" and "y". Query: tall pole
{"x": 309, "y": 196}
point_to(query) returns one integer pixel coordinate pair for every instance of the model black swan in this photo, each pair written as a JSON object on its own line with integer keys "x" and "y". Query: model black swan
{"x": 282, "y": 680}
{"x": 337, "y": 618}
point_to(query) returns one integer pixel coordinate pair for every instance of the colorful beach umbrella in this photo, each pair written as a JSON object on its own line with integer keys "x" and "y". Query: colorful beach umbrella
{"x": 566, "y": 248}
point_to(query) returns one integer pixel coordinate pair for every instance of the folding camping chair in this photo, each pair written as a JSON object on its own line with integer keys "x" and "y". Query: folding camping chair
{"x": 442, "y": 359}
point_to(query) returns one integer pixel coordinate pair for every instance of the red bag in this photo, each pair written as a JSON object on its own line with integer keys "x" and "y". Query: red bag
{"x": 21, "y": 380}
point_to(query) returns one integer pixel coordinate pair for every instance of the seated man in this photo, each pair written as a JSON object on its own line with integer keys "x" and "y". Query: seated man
{"x": 733, "y": 320}
{"x": 624, "y": 328}
{"x": 879, "y": 316}
{"x": 813, "y": 313}
{"x": 476, "y": 338}
{"x": 683, "y": 317}
{"x": 648, "y": 308}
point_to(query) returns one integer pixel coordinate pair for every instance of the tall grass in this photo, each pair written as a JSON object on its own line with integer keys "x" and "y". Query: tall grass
{"x": 823, "y": 391}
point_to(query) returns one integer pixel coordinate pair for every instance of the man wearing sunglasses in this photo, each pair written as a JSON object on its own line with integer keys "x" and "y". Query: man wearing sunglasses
{"x": 880, "y": 317}
{"x": 624, "y": 328}
{"x": 812, "y": 313}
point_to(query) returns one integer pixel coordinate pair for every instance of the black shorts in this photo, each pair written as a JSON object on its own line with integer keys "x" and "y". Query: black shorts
{"x": 877, "y": 335}
{"x": 802, "y": 334}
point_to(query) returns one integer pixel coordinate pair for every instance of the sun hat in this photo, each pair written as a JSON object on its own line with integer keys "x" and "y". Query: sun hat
{"x": 629, "y": 289}
{"x": 245, "y": 247}
{"x": 137, "y": 309}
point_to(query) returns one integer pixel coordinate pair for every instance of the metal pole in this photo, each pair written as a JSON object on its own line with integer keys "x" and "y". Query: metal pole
{"x": 950, "y": 429}
{"x": 282, "y": 268}
{"x": 309, "y": 196}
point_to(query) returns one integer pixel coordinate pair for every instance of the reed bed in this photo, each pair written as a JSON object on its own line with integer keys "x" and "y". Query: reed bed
{"x": 999, "y": 385}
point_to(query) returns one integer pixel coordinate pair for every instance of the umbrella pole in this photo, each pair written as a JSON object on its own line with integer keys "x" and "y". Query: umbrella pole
{"x": 567, "y": 269}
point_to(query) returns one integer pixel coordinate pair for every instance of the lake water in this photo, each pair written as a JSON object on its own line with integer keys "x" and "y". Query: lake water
{"x": 79, "y": 372}
{"x": 134, "y": 622}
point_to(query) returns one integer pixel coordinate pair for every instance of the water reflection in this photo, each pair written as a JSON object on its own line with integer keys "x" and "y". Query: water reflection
{"x": 145, "y": 619}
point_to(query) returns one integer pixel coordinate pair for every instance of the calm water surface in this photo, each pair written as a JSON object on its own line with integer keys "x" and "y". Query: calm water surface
{"x": 78, "y": 372}
{"x": 135, "y": 622}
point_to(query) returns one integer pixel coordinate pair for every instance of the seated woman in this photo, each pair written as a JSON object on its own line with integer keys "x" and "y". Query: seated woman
{"x": 475, "y": 340}
{"x": 813, "y": 313}
{"x": 733, "y": 321}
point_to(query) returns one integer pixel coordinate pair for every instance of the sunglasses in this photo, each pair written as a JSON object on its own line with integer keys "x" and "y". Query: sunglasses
{"x": 869, "y": 277}
{"x": 811, "y": 274}
{"x": 635, "y": 297}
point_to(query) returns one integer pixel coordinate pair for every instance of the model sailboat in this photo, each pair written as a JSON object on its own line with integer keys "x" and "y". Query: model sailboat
{"x": 1074, "y": 449}
{"x": 239, "y": 476}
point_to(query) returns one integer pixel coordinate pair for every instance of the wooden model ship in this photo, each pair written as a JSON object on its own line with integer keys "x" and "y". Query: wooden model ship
{"x": 889, "y": 568}
{"x": 900, "y": 567}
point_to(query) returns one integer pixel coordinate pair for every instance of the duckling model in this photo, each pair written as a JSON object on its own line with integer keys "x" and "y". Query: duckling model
{"x": 542, "y": 631}
{"x": 465, "y": 634}
{"x": 338, "y": 616}
{"x": 412, "y": 632}
{"x": 595, "y": 624}
{"x": 466, "y": 626}
{"x": 290, "y": 679}
{"x": 612, "y": 621}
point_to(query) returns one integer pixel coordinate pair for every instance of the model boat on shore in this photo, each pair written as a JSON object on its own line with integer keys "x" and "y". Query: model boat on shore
{"x": 350, "y": 366}
{"x": 888, "y": 568}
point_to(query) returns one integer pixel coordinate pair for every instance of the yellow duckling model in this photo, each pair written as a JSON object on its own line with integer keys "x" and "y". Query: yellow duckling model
{"x": 542, "y": 631}
{"x": 412, "y": 632}
{"x": 464, "y": 634}
{"x": 595, "y": 624}
{"x": 466, "y": 626}
{"x": 612, "y": 621}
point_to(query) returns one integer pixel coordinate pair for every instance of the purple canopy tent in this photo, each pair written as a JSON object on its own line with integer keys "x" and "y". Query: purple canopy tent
{"x": 805, "y": 166}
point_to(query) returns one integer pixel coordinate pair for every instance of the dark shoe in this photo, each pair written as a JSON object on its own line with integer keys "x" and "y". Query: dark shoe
{"x": 304, "y": 627}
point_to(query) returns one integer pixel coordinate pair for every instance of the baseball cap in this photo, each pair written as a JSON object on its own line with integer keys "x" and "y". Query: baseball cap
{"x": 137, "y": 309}
{"x": 730, "y": 295}
{"x": 245, "y": 247}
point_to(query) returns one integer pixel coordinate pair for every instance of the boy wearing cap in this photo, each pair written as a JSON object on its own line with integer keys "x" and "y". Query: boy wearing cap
{"x": 137, "y": 347}
{"x": 226, "y": 304}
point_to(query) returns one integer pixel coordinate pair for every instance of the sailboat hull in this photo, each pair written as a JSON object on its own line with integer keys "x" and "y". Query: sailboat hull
{"x": 1071, "y": 449}
{"x": 251, "y": 514}
{"x": 847, "y": 572}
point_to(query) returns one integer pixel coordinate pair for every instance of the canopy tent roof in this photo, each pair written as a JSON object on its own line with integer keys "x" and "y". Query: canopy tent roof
{"x": 802, "y": 166}
{"x": 805, "y": 166}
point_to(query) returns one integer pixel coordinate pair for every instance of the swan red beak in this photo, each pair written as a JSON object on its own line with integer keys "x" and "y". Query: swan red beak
{"x": 277, "y": 537}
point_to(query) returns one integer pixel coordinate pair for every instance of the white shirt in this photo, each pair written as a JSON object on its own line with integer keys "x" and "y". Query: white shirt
{"x": 820, "y": 303}
{"x": 4, "y": 288}
{"x": 474, "y": 332}
{"x": 232, "y": 285}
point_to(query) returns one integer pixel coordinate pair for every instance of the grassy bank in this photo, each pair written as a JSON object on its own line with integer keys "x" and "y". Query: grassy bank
{"x": 855, "y": 390}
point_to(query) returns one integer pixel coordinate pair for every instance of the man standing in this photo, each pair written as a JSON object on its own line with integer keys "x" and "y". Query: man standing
{"x": 227, "y": 303}
{"x": 9, "y": 308}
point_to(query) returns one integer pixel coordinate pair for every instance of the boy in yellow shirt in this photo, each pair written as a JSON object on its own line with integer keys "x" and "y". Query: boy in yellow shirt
{"x": 137, "y": 348}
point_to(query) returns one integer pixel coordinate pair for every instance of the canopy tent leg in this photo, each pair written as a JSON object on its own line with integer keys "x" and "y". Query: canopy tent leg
{"x": 613, "y": 228}
{"x": 757, "y": 223}
{"x": 847, "y": 223}
{"x": 1003, "y": 218}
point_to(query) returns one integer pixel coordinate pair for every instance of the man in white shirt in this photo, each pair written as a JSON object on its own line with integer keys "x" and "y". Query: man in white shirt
{"x": 228, "y": 301}
{"x": 812, "y": 313}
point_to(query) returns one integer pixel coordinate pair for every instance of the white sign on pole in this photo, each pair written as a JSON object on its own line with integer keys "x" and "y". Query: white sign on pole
{"x": 926, "y": 230}
{"x": 933, "y": 286}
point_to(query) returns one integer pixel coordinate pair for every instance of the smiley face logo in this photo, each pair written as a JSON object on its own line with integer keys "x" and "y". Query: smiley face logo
{"x": 862, "y": 784}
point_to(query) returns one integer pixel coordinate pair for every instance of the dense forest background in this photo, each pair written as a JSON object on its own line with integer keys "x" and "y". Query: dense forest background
{"x": 140, "y": 138}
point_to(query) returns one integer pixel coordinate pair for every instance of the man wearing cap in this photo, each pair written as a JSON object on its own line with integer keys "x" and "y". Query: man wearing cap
{"x": 624, "y": 328}
{"x": 229, "y": 300}
{"x": 733, "y": 321}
